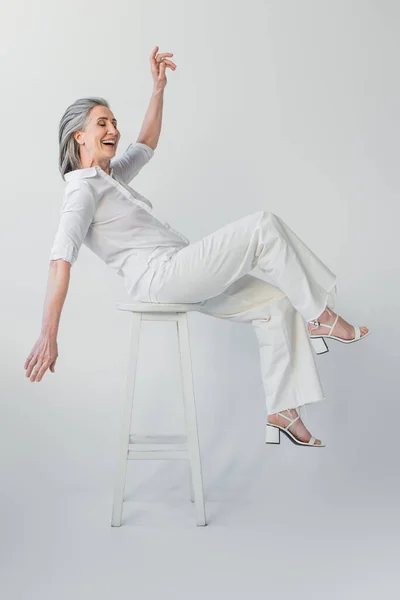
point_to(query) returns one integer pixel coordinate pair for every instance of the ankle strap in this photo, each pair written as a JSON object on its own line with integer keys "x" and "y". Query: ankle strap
{"x": 291, "y": 421}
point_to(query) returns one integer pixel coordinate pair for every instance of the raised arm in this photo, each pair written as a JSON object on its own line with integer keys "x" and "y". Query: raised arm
{"x": 151, "y": 127}
{"x": 128, "y": 165}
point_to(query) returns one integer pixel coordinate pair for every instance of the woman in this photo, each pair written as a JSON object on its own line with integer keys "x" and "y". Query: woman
{"x": 159, "y": 264}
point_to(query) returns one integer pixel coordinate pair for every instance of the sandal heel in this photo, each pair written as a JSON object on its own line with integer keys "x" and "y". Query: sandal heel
{"x": 319, "y": 345}
{"x": 272, "y": 435}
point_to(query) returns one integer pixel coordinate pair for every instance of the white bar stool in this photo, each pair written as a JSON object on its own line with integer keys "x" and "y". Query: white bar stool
{"x": 160, "y": 446}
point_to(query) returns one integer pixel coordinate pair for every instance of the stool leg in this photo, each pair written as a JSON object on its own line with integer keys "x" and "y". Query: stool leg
{"x": 190, "y": 417}
{"x": 126, "y": 421}
{"x": 192, "y": 497}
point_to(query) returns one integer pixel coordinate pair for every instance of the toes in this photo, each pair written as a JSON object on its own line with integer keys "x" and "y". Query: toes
{"x": 315, "y": 442}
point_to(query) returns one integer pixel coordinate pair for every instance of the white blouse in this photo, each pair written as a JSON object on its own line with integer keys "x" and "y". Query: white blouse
{"x": 113, "y": 220}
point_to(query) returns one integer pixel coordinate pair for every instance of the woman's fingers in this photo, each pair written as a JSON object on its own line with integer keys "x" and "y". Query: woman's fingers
{"x": 52, "y": 366}
{"x": 42, "y": 370}
{"x": 31, "y": 363}
{"x": 170, "y": 64}
{"x": 39, "y": 369}
{"x": 38, "y": 363}
{"x": 42, "y": 356}
{"x": 27, "y": 361}
{"x": 155, "y": 50}
{"x": 155, "y": 58}
{"x": 33, "y": 369}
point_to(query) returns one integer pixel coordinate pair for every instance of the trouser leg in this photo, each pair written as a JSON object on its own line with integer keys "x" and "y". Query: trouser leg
{"x": 288, "y": 365}
{"x": 288, "y": 368}
{"x": 206, "y": 268}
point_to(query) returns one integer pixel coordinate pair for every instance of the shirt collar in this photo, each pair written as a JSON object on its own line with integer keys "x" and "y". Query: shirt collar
{"x": 82, "y": 173}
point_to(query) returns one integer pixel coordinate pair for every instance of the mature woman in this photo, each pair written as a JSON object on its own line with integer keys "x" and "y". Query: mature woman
{"x": 159, "y": 264}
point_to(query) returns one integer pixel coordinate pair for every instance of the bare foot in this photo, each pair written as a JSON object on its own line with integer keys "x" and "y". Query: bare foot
{"x": 342, "y": 329}
{"x": 298, "y": 429}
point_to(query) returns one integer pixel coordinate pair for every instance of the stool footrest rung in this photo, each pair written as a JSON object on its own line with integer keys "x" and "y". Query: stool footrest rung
{"x": 152, "y": 454}
{"x": 157, "y": 439}
{"x": 158, "y": 447}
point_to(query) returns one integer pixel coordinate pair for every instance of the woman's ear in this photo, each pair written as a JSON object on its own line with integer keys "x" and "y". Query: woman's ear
{"x": 78, "y": 137}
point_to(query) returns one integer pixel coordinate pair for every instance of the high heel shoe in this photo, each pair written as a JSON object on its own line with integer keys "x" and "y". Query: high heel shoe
{"x": 272, "y": 434}
{"x": 318, "y": 341}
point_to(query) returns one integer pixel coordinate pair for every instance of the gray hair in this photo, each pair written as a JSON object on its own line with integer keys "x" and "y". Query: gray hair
{"x": 74, "y": 119}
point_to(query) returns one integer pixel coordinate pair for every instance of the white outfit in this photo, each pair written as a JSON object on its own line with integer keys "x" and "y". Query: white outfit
{"x": 160, "y": 265}
{"x": 113, "y": 220}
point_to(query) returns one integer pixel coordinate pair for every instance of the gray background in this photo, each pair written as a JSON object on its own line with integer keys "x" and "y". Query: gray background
{"x": 280, "y": 105}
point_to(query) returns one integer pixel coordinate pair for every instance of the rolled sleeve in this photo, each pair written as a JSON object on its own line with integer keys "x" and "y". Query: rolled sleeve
{"x": 77, "y": 214}
{"x": 128, "y": 165}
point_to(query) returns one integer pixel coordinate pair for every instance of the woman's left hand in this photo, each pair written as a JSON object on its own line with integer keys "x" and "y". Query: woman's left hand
{"x": 159, "y": 63}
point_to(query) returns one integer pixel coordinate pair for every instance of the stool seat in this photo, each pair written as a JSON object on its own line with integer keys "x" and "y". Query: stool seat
{"x": 142, "y": 307}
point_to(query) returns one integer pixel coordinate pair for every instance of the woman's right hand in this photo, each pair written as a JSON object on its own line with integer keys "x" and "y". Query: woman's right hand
{"x": 43, "y": 356}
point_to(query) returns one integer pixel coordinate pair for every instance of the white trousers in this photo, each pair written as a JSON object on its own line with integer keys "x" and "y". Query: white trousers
{"x": 215, "y": 272}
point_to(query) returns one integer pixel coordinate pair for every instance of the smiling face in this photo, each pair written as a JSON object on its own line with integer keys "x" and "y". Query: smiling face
{"x": 98, "y": 141}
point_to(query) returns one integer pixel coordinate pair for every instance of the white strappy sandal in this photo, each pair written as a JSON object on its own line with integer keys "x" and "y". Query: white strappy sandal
{"x": 273, "y": 434}
{"x": 318, "y": 341}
